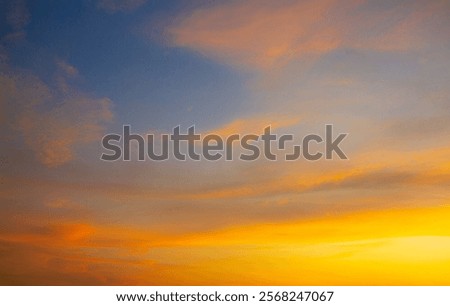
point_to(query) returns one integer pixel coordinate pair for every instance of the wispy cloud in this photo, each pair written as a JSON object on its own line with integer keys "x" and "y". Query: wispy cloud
{"x": 67, "y": 68}
{"x": 17, "y": 17}
{"x": 52, "y": 121}
{"x": 266, "y": 34}
{"x": 53, "y": 134}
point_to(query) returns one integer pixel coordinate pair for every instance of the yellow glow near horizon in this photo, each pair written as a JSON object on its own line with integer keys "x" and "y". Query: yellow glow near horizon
{"x": 396, "y": 247}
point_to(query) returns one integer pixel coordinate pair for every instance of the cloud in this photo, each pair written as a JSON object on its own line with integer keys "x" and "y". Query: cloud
{"x": 71, "y": 253}
{"x": 266, "y": 34}
{"x": 347, "y": 247}
{"x": 254, "y": 125}
{"x": 53, "y": 134}
{"x": 42, "y": 245}
{"x": 53, "y": 121}
{"x": 19, "y": 92}
{"x": 113, "y": 6}
{"x": 17, "y": 18}
{"x": 67, "y": 68}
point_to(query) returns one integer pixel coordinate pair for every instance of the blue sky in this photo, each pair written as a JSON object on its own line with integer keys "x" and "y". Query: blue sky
{"x": 153, "y": 86}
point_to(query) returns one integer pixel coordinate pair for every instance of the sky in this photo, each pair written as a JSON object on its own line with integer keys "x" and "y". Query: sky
{"x": 73, "y": 71}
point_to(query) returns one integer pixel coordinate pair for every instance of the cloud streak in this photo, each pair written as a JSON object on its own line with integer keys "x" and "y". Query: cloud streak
{"x": 268, "y": 34}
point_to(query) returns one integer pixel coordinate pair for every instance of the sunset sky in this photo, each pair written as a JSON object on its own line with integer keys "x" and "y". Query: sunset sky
{"x": 73, "y": 71}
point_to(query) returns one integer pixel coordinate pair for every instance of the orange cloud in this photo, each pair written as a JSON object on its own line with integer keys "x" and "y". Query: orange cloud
{"x": 258, "y": 33}
{"x": 401, "y": 246}
{"x": 266, "y": 34}
{"x": 67, "y": 68}
{"x": 53, "y": 134}
{"x": 53, "y": 122}
{"x": 254, "y": 125}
